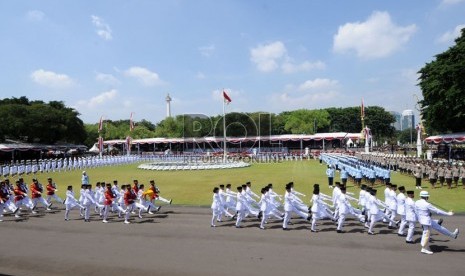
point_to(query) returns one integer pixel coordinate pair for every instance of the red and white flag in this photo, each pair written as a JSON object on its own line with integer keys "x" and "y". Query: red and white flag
{"x": 100, "y": 144}
{"x": 131, "y": 122}
{"x": 227, "y": 99}
{"x": 128, "y": 143}
{"x": 100, "y": 124}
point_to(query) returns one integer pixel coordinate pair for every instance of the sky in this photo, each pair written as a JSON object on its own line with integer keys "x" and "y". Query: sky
{"x": 111, "y": 58}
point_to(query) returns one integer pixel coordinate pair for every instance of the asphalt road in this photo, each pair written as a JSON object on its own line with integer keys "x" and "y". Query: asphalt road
{"x": 180, "y": 241}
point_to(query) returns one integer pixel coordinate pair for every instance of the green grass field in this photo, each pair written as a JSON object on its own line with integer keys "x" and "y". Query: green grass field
{"x": 195, "y": 187}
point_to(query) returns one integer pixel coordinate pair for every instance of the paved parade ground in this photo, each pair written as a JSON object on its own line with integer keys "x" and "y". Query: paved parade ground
{"x": 179, "y": 241}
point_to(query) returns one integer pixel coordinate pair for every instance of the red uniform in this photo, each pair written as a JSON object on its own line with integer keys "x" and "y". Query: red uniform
{"x": 50, "y": 189}
{"x": 129, "y": 197}
{"x": 109, "y": 196}
{"x": 36, "y": 192}
{"x": 19, "y": 194}
{"x": 135, "y": 188}
{"x": 155, "y": 194}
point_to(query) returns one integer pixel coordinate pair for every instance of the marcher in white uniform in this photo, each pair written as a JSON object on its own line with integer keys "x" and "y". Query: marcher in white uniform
{"x": 320, "y": 209}
{"x": 410, "y": 216}
{"x": 70, "y": 202}
{"x": 375, "y": 213}
{"x": 264, "y": 204}
{"x": 230, "y": 199}
{"x": 223, "y": 206}
{"x": 345, "y": 209}
{"x": 240, "y": 206}
{"x": 290, "y": 203}
{"x": 400, "y": 199}
{"x": 216, "y": 206}
{"x": 424, "y": 210}
{"x": 392, "y": 205}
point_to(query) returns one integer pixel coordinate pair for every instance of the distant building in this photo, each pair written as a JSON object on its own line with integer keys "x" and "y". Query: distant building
{"x": 398, "y": 118}
{"x": 407, "y": 120}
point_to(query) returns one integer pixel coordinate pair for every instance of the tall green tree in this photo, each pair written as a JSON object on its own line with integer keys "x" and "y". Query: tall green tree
{"x": 442, "y": 82}
{"x": 305, "y": 121}
{"x": 37, "y": 121}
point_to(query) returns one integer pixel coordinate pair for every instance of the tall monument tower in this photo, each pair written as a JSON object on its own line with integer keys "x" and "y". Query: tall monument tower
{"x": 168, "y": 105}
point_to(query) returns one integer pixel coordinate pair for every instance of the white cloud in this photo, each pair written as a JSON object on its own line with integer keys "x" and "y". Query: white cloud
{"x": 377, "y": 37}
{"x": 35, "y": 15}
{"x": 274, "y": 55}
{"x": 266, "y": 57}
{"x": 450, "y": 36}
{"x": 288, "y": 67}
{"x": 317, "y": 93}
{"x": 99, "y": 99}
{"x": 144, "y": 76}
{"x": 107, "y": 79}
{"x": 51, "y": 79}
{"x": 207, "y": 51}
{"x": 102, "y": 29}
{"x": 318, "y": 85}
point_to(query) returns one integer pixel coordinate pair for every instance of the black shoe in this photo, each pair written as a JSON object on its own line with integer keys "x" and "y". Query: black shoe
{"x": 285, "y": 229}
{"x": 440, "y": 221}
{"x": 391, "y": 227}
{"x": 314, "y": 231}
{"x": 371, "y": 233}
{"x": 402, "y": 235}
{"x": 411, "y": 242}
{"x": 339, "y": 231}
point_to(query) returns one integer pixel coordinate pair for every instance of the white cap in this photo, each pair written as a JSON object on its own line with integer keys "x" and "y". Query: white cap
{"x": 83, "y": 172}
{"x": 424, "y": 194}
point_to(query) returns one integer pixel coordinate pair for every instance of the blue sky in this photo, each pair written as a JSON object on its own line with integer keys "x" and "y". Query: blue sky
{"x": 112, "y": 58}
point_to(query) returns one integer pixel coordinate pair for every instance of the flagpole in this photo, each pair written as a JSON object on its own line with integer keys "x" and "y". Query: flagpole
{"x": 100, "y": 147}
{"x": 224, "y": 132}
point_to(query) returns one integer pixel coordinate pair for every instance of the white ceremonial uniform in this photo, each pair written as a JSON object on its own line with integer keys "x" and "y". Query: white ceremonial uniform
{"x": 216, "y": 208}
{"x": 289, "y": 207}
{"x": 392, "y": 206}
{"x": 240, "y": 208}
{"x": 410, "y": 217}
{"x": 401, "y": 212}
{"x": 424, "y": 210}
{"x": 70, "y": 203}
